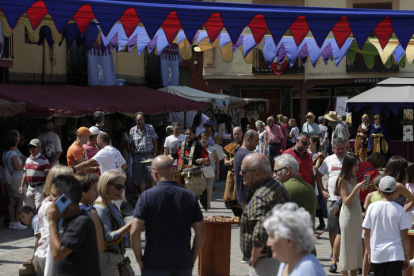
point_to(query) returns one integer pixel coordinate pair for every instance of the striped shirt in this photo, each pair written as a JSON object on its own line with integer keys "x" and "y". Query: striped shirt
{"x": 143, "y": 141}
{"x": 260, "y": 199}
{"x": 36, "y": 169}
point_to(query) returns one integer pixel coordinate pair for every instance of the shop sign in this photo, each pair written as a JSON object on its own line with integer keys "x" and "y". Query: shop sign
{"x": 341, "y": 106}
{"x": 408, "y": 133}
{"x": 367, "y": 80}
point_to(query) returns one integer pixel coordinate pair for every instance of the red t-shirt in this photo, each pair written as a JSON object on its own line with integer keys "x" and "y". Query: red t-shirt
{"x": 365, "y": 168}
{"x": 305, "y": 164}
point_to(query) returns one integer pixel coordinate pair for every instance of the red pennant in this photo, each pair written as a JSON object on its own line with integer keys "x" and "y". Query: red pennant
{"x": 83, "y": 17}
{"x": 341, "y": 31}
{"x": 299, "y": 29}
{"x": 36, "y": 13}
{"x": 277, "y": 68}
{"x": 258, "y": 27}
{"x": 384, "y": 31}
{"x": 171, "y": 26}
{"x": 130, "y": 21}
{"x": 214, "y": 25}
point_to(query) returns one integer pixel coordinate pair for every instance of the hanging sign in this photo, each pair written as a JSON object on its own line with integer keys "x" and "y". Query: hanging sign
{"x": 408, "y": 133}
{"x": 341, "y": 106}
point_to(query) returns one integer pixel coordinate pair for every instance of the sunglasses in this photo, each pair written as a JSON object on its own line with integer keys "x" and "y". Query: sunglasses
{"x": 309, "y": 117}
{"x": 119, "y": 187}
{"x": 32, "y": 147}
{"x": 243, "y": 172}
{"x": 278, "y": 170}
{"x": 305, "y": 143}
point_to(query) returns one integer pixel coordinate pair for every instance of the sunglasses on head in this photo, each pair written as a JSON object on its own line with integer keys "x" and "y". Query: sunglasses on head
{"x": 119, "y": 187}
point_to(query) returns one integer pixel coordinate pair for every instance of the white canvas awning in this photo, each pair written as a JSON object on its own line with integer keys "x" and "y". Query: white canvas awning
{"x": 193, "y": 94}
{"x": 8, "y": 108}
{"x": 388, "y": 94}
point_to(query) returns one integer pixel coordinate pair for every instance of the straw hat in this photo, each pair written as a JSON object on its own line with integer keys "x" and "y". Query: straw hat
{"x": 310, "y": 114}
{"x": 332, "y": 116}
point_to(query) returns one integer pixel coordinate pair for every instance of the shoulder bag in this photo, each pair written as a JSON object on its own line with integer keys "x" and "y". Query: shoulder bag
{"x": 5, "y": 175}
{"x": 193, "y": 176}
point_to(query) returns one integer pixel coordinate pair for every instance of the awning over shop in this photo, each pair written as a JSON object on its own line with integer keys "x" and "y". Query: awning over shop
{"x": 8, "y": 108}
{"x": 236, "y": 102}
{"x": 388, "y": 95}
{"x": 73, "y": 101}
{"x": 218, "y": 101}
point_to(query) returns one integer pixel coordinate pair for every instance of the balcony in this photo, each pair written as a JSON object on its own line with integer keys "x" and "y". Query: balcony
{"x": 8, "y": 55}
{"x": 359, "y": 66}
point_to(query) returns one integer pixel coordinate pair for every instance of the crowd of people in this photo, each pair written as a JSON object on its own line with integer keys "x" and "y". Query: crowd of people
{"x": 273, "y": 183}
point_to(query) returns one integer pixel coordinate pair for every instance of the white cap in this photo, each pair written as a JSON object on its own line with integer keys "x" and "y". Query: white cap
{"x": 388, "y": 184}
{"x": 94, "y": 130}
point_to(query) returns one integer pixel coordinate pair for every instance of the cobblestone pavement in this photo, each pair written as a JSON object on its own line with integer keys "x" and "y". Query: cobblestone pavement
{"x": 16, "y": 246}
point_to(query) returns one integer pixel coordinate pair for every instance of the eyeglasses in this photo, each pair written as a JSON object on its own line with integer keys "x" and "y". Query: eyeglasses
{"x": 32, "y": 147}
{"x": 278, "y": 170}
{"x": 243, "y": 172}
{"x": 305, "y": 143}
{"x": 119, "y": 187}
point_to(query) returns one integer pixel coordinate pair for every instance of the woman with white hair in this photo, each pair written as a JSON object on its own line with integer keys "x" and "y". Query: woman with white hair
{"x": 291, "y": 238}
{"x": 263, "y": 146}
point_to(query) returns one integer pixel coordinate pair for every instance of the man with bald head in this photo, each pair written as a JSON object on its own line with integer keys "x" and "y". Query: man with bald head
{"x": 263, "y": 194}
{"x": 168, "y": 213}
{"x": 276, "y": 138}
{"x": 250, "y": 142}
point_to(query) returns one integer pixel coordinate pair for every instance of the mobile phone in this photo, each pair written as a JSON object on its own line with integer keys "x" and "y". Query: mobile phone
{"x": 366, "y": 178}
{"x": 62, "y": 203}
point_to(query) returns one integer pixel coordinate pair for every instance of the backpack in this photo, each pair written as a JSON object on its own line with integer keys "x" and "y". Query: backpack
{"x": 5, "y": 175}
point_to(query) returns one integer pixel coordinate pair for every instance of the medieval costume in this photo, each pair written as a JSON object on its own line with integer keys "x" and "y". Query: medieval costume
{"x": 361, "y": 140}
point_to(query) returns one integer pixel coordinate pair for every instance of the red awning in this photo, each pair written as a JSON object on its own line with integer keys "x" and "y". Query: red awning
{"x": 68, "y": 100}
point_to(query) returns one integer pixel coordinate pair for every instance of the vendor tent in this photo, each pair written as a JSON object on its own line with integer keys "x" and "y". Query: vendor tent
{"x": 68, "y": 100}
{"x": 391, "y": 94}
{"x": 236, "y": 102}
{"x": 194, "y": 94}
{"x": 8, "y": 108}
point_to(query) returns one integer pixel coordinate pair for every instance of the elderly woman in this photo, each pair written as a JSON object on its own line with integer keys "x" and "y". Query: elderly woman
{"x": 263, "y": 146}
{"x": 110, "y": 186}
{"x": 379, "y": 139}
{"x": 291, "y": 238}
{"x": 361, "y": 140}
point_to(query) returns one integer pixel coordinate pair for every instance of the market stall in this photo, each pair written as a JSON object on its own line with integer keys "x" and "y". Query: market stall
{"x": 393, "y": 98}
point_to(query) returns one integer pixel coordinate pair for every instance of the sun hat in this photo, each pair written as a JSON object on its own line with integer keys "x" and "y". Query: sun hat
{"x": 332, "y": 116}
{"x": 310, "y": 114}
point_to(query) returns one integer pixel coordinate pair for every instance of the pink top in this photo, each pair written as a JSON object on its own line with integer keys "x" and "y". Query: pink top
{"x": 275, "y": 134}
{"x": 90, "y": 150}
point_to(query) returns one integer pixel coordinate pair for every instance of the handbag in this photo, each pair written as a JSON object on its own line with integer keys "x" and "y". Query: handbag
{"x": 5, "y": 175}
{"x": 219, "y": 150}
{"x": 193, "y": 176}
{"x": 208, "y": 171}
{"x": 125, "y": 268}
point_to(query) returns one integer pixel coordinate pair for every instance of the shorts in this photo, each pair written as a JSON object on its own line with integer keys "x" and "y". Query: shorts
{"x": 210, "y": 182}
{"x": 141, "y": 172}
{"x": 333, "y": 221}
{"x": 13, "y": 189}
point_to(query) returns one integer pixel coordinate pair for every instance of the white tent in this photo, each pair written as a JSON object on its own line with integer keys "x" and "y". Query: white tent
{"x": 393, "y": 93}
{"x": 193, "y": 94}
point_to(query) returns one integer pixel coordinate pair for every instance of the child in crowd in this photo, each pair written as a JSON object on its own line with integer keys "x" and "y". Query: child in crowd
{"x": 386, "y": 232}
{"x": 375, "y": 195}
{"x": 28, "y": 217}
{"x": 89, "y": 183}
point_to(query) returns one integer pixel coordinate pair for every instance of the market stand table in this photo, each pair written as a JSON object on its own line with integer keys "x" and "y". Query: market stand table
{"x": 214, "y": 258}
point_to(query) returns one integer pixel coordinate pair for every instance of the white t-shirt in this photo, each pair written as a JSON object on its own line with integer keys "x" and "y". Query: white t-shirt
{"x": 386, "y": 219}
{"x": 332, "y": 166}
{"x": 50, "y": 146}
{"x": 295, "y": 132}
{"x": 109, "y": 158}
{"x": 172, "y": 142}
{"x": 200, "y": 128}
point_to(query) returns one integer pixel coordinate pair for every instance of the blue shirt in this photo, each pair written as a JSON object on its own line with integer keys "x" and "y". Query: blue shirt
{"x": 241, "y": 189}
{"x": 308, "y": 266}
{"x": 143, "y": 141}
{"x": 168, "y": 211}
